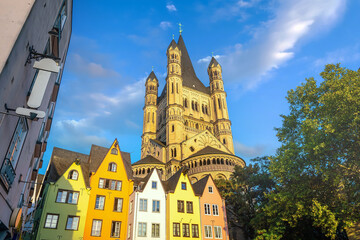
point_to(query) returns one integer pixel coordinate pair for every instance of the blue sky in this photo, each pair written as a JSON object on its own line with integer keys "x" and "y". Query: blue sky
{"x": 266, "y": 47}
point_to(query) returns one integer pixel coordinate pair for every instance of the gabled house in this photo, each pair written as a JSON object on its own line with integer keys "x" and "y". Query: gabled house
{"x": 111, "y": 184}
{"x": 147, "y": 210}
{"x": 212, "y": 209}
{"x": 182, "y": 208}
{"x": 62, "y": 209}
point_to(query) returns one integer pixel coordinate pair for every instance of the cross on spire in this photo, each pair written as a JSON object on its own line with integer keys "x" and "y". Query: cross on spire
{"x": 212, "y": 54}
{"x": 180, "y": 29}
{"x": 152, "y": 68}
{"x": 173, "y": 36}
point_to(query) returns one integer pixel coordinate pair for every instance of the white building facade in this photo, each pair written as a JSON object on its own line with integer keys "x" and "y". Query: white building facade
{"x": 147, "y": 218}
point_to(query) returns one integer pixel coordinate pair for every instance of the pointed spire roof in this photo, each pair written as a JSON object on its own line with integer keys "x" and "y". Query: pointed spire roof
{"x": 152, "y": 76}
{"x": 213, "y": 62}
{"x": 172, "y": 44}
{"x": 190, "y": 79}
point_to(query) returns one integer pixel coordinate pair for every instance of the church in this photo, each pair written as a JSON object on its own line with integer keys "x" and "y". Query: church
{"x": 188, "y": 123}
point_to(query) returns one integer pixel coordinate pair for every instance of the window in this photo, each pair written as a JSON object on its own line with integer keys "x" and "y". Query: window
{"x": 143, "y": 205}
{"x": 180, "y": 206}
{"x": 156, "y": 206}
{"x": 155, "y": 230}
{"x": 112, "y": 167}
{"x": 96, "y": 228}
{"x": 186, "y": 230}
{"x": 211, "y": 189}
{"x": 65, "y": 196}
{"x": 207, "y": 209}
{"x": 118, "y": 204}
{"x": 189, "y": 207}
{"x": 142, "y": 229}
{"x": 73, "y": 175}
{"x": 218, "y": 232}
{"x": 215, "y": 210}
{"x": 176, "y": 229}
{"x": 110, "y": 184}
{"x": 51, "y": 220}
{"x": 183, "y": 185}
{"x": 208, "y": 232}
{"x": 172, "y": 128}
{"x": 131, "y": 206}
{"x": 114, "y": 151}
{"x": 101, "y": 183}
{"x": 72, "y": 223}
{"x": 100, "y": 202}
{"x": 154, "y": 185}
{"x": 129, "y": 231}
{"x": 195, "y": 230}
{"x": 17, "y": 142}
{"x": 115, "y": 229}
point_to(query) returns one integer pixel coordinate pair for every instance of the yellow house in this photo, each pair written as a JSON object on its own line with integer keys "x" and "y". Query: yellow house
{"x": 63, "y": 207}
{"x": 182, "y": 208}
{"x": 111, "y": 185}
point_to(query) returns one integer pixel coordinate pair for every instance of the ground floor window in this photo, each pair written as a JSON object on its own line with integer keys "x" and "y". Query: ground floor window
{"x": 218, "y": 232}
{"x": 208, "y": 232}
{"x": 115, "y": 229}
{"x": 142, "y": 229}
{"x": 96, "y": 228}
{"x": 155, "y": 230}
{"x": 195, "y": 230}
{"x": 176, "y": 229}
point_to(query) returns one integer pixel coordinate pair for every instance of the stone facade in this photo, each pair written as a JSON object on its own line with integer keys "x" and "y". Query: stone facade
{"x": 188, "y": 124}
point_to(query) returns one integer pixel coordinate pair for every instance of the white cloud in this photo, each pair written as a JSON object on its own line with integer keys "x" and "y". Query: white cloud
{"x": 274, "y": 44}
{"x": 208, "y": 58}
{"x": 165, "y": 25}
{"x": 247, "y": 151}
{"x": 171, "y": 7}
{"x": 81, "y": 66}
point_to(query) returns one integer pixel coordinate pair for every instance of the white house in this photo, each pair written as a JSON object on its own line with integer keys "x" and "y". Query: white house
{"x": 147, "y": 209}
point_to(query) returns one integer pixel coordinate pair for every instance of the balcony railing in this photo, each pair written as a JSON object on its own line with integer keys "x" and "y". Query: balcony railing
{"x": 7, "y": 173}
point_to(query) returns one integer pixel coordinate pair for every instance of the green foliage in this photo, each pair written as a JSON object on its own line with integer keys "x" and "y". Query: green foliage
{"x": 316, "y": 169}
{"x": 310, "y": 189}
{"x": 245, "y": 194}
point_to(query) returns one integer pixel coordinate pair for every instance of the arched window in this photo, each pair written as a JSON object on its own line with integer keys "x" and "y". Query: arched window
{"x": 174, "y": 152}
{"x": 152, "y": 117}
{"x": 73, "y": 175}
{"x": 177, "y": 88}
{"x": 219, "y": 103}
{"x": 148, "y": 117}
{"x": 224, "y": 141}
{"x": 114, "y": 151}
{"x": 196, "y": 106}
{"x": 112, "y": 167}
{"x": 192, "y": 105}
{"x": 172, "y": 128}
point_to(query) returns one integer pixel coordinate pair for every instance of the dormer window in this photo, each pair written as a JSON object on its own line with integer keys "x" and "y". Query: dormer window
{"x": 112, "y": 167}
{"x": 114, "y": 151}
{"x": 73, "y": 175}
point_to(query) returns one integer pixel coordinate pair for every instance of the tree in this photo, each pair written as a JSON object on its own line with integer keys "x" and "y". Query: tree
{"x": 317, "y": 167}
{"x": 244, "y": 194}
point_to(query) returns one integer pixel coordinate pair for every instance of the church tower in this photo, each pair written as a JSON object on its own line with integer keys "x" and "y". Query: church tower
{"x": 150, "y": 108}
{"x": 222, "y": 124}
{"x": 174, "y": 111}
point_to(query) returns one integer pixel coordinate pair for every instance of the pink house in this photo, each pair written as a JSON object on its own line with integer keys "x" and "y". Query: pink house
{"x": 212, "y": 209}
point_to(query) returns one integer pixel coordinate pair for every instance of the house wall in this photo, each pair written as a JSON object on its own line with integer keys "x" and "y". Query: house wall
{"x": 149, "y": 216}
{"x": 25, "y": 24}
{"x": 108, "y": 215}
{"x": 65, "y": 209}
{"x": 174, "y": 216}
{"x": 220, "y": 220}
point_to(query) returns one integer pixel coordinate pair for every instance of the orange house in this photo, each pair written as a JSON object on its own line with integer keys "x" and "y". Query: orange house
{"x": 111, "y": 184}
{"x": 212, "y": 210}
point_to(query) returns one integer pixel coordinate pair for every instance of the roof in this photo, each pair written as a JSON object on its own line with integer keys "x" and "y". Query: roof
{"x": 188, "y": 74}
{"x": 97, "y": 155}
{"x": 152, "y": 76}
{"x": 143, "y": 181}
{"x": 172, "y": 44}
{"x": 213, "y": 61}
{"x": 61, "y": 160}
{"x": 171, "y": 183}
{"x": 200, "y": 185}
{"x": 158, "y": 142}
{"x": 209, "y": 150}
{"x": 148, "y": 160}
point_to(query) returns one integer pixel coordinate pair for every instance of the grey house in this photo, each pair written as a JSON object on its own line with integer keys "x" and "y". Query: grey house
{"x": 34, "y": 40}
